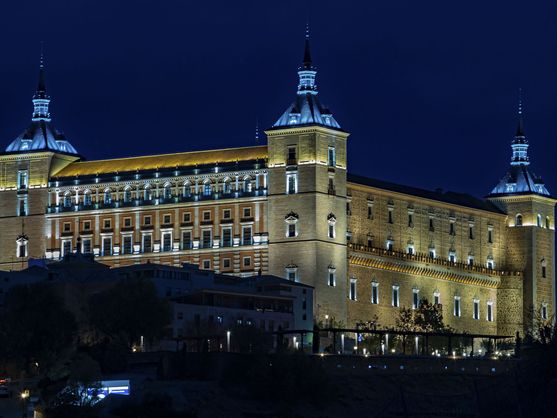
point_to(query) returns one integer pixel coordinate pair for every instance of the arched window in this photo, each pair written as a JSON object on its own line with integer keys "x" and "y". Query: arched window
{"x": 544, "y": 268}
{"x": 547, "y": 222}
{"x": 226, "y": 186}
{"x": 207, "y": 189}
{"x": 186, "y": 189}
{"x": 67, "y": 199}
{"x": 167, "y": 191}
{"x": 247, "y": 184}
{"x": 87, "y": 198}
{"x": 147, "y": 192}
{"x": 518, "y": 220}
{"x": 107, "y": 197}
{"x": 539, "y": 219}
{"x": 127, "y": 194}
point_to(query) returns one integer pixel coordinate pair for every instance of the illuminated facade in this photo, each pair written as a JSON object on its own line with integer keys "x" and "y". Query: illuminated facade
{"x": 289, "y": 208}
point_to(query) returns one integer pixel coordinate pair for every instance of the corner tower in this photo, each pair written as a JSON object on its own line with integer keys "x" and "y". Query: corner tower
{"x": 26, "y": 166}
{"x": 307, "y": 196}
{"x": 530, "y": 231}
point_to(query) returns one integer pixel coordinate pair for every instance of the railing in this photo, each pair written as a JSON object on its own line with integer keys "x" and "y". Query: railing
{"x": 155, "y": 201}
{"x": 425, "y": 258}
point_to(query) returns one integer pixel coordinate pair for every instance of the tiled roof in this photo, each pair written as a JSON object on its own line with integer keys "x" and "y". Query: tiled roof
{"x": 164, "y": 161}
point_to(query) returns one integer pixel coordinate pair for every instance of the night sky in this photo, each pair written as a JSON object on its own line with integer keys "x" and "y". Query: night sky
{"x": 428, "y": 89}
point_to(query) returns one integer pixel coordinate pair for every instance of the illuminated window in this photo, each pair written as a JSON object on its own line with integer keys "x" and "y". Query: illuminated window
{"x": 22, "y": 179}
{"x": 518, "y": 220}
{"x": 395, "y": 297}
{"x": 66, "y": 247}
{"x": 331, "y": 157}
{"x": 207, "y": 189}
{"x": 22, "y": 243}
{"x": 539, "y": 220}
{"x": 544, "y": 311}
{"x": 246, "y": 235}
{"x": 332, "y": 276}
{"x": 489, "y": 315}
{"x": 547, "y": 222}
{"x": 353, "y": 289}
{"x": 544, "y": 268}
{"x": 167, "y": 241}
{"x": 186, "y": 189}
{"x": 147, "y": 193}
{"x": 291, "y": 183}
{"x": 456, "y": 307}
{"x": 452, "y": 256}
{"x": 490, "y": 235}
{"x": 67, "y": 199}
{"x": 167, "y": 191}
{"x": 127, "y": 244}
{"x": 470, "y": 260}
{"x": 437, "y": 297}
{"x": 415, "y": 298}
{"x": 86, "y": 246}
{"x": 490, "y": 263}
{"x": 291, "y": 220}
{"x": 476, "y": 309}
{"x": 87, "y": 198}
{"x": 374, "y": 292}
{"x": 226, "y": 188}
{"x": 291, "y": 272}
{"x": 431, "y": 253}
{"x": 206, "y": 238}
{"x": 107, "y": 197}
{"x": 389, "y": 245}
{"x": 107, "y": 246}
{"x": 331, "y": 229}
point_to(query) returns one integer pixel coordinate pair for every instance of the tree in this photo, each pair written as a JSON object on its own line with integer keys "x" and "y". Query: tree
{"x": 426, "y": 318}
{"x": 35, "y": 328}
{"x": 128, "y": 311}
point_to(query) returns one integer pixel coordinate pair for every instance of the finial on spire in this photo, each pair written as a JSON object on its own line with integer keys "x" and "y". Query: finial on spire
{"x": 257, "y": 131}
{"x": 520, "y": 143}
{"x": 41, "y": 87}
{"x": 307, "y": 64}
{"x": 520, "y": 125}
{"x": 41, "y": 99}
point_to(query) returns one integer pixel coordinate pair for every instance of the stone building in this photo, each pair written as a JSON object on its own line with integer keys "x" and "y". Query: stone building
{"x": 289, "y": 208}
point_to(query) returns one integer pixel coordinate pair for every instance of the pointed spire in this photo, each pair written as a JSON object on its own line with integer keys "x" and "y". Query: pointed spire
{"x": 520, "y": 143}
{"x": 306, "y": 71}
{"x": 520, "y": 123}
{"x": 307, "y": 64}
{"x": 41, "y": 99}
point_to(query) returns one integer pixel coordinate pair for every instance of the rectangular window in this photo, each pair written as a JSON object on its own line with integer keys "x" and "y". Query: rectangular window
{"x": 431, "y": 253}
{"x": 436, "y": 298}
{"x": 415, "y": 298}
{"x": 186, "y": 240}
{"x": 206, "y": 241}
{"x": 331, "y": 157}
{"x": 206, "y": 264}
{"x": 291, "y": 230}
{"x": 452, "y": 257}
{"x": 22, "y": 206}
{"x": 107, "y": 223}
{"x": 107, "y": 246}
{"x": 410, "y": 220}
{"x": 22, "y": 179}
{"x": 127, "y": 244}
{"x": 390, "y": 216}
{"x": 246, "y": 235}
{"x": 226, "y": 263}
{"x": 490, "y": 236}
{"x": 348, "y": 208}
{"x": 67, "y": 227}
{"x": 291, "y": 183}
{"x": 167, "y": 241}
{"x": 86, "y": 225}
{"x": 127, "y": 222}
{"x": 471, "y": 232}
{"x": 470, "y": 260}
{"x": 395, "y": 297}
{"x": 291, "y": 156}
{"x": 66, "y": 247}
{"x": 431, "y": 226}
{"x": 410, "y": 250}
{"x": 353, "y": 289}
{"x": 544, "y": 311}
{"x": 291, "y": 274}
{"x": 246, "y": 212}
{"x": 226, "y": 214}
{"x": 544, "y": 272}
{"x": 86, "y": 243}
{"x": 331, "y": 230}
{"x": 247, "y": 261}
{"x": 166, "y": 219}
{"x": 375, "y": 293}
{"x": 332, "y": 278}
{"x": 227, "y": 237}
{"x": 370, "y": 212}
{"x": 489, "y": 311}
{"x": 147, "y": 220}
{"x": 147, "y": 243}
{"x": 390, "y": 245}
{"x": 207, "y": 215}
{"x": 451, "y": 229}
{"x": 476, "y": 310}
{"x": 331, "y": 185}
{"x": 456, "y": 310}
{"x": 186, "y": 217}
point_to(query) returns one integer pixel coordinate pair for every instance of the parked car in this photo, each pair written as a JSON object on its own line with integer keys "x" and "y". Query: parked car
{"x": 5, "y": 392}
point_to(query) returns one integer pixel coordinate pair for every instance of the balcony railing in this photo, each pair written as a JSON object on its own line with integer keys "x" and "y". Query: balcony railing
{"x": 155, "y": 201}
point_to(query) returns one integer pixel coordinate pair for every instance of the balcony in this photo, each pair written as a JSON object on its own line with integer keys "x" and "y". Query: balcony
{"x": 61, "y": 208}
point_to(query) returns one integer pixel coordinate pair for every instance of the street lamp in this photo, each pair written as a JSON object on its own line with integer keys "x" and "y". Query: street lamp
{"x": 228, "y": 341}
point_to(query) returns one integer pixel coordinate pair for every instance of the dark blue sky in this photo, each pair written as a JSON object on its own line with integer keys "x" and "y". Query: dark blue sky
{"x": 427, "y": 89}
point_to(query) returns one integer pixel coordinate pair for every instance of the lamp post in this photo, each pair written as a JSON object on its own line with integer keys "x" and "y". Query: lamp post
{"x": 24, "y": 396}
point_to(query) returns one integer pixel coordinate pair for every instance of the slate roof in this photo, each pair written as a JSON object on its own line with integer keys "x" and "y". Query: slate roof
{"x": 454, "y": 198}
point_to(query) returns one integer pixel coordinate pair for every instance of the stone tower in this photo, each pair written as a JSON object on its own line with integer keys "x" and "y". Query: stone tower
{"x": 25, "y": 168}
{"x": 530, "y": 234}
{"x": 307, "y": 197}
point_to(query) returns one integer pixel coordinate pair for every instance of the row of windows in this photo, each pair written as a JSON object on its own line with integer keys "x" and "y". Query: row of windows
{"x": 539, "y": 221}
{"x": 292, "y": 155}
{"x": 186, "y": 242}
{"x": 147, "y": 220}
{"x": 292, "y": 226}
{"x": 395, "y": 299}
{"x": 147, "y": 192}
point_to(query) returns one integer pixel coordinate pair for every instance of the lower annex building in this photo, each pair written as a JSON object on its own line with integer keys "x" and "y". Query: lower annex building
{"x": 289, "y": 208}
